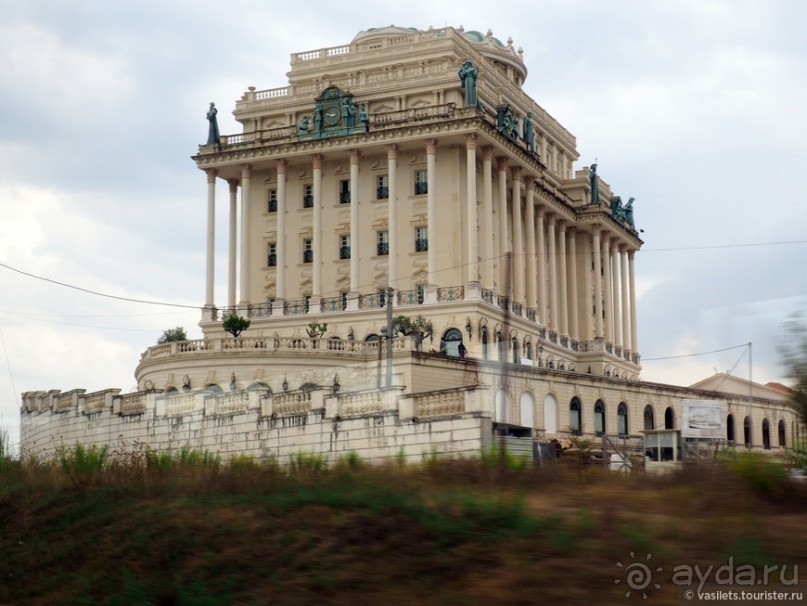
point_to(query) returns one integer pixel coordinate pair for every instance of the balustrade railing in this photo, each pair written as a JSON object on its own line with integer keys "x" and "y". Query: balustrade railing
{"x": 94, "y": 402}
{"x": 360, "y": 403}
{"x": 132, "y": 403}
{"x": 487, "y": 296}
{"x": 444, "y": 403}
{"x": 553, "y": 336}
{"x": 503, "y": 303}
{"x": 451, "y": 293}
{"x": 294, "y": 402}
{"x": 531, "y": 314}
{"x": 180, "y": 404}
{"x": 230, "y": 403}
{"x": 518, "y": 308}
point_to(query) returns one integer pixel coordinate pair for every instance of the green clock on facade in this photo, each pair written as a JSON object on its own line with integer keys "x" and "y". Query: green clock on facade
{"x": 332, "y": 115}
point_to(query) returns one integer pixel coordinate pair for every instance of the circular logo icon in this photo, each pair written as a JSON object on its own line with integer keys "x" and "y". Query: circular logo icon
{"x": 638, "y": 576}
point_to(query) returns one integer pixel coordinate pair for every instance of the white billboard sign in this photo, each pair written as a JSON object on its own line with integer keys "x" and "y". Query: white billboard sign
{"x": 704, "y": 419}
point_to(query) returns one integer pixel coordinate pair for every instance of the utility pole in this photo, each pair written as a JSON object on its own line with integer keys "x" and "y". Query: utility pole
{"x": 390, "y": 292}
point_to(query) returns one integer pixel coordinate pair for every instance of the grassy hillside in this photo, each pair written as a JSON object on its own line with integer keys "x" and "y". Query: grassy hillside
{"x": 185, "y": 529}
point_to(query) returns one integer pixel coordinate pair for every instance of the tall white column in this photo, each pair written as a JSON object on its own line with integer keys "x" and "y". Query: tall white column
{"x": 246, "y": 174}
{"x": 597, "y": 254}
{"x": 431, "y": 207}
{"x": 232, "y": 244}
{"x": 232, "y": 257}
{"x": 316, "y": 244}
{"x": 211, "y": 239}
{"x": 280, "y": 274}
{"x": 505, "y": 280}
{"x": 487, "y": 228}
{"x": 543, "y": 301}
{"x": 623, "y": 262}
{"x": 529, "y": 224}
{"x": 571, "y": 242}
{"x": 471, "y": 228}
{"x": 518, "y": 242}
{"x": 634, "y": 341}
{"x": 606, "y": 274}
{"x": 563, "y": 285}
{"x": 552, "y": 253}
{"x": 355, "y": 156}
{"x": 616, "y": 293}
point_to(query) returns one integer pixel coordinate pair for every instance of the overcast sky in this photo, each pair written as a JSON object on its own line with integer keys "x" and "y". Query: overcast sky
{"x": 694, "y": 107}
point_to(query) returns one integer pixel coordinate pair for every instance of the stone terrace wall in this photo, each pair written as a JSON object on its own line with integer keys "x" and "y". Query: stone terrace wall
{"x": 279, "y": 426}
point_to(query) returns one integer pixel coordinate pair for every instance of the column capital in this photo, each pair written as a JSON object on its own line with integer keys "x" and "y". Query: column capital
{"x": 233, "y": 183}
{"x": 561, "y": 225}
{"x": 552, "y": 218}
{"x": 316, "y": 160}
{"x": 246, "y": 171}
{"x": 542, "y": 212}
{"x": 530, "y": 184}
{"x": 631, "y": 252}
{"x": 501, "y": 163}
{"x": 355, "y": 156}
{"x": 431, "y": 146}
{"x": 282, "y": 165}
{"x": 212, "y": 173}
{"x": 470, "y": 141}
{"x": 392, "y": 152}
{"x": 516, "y": 172}
{"x": 487, "y": 152}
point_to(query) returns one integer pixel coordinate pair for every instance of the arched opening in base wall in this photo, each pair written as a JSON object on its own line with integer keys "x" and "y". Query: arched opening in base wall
{"x": 550, "y": 414}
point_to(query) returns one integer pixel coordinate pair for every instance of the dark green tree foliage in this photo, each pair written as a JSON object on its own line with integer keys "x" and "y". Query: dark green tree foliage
{"x": 794, "y": 359}
{"x": 235, "y": 324}
{"x": 418, "y": 328}
{"x": 172, "y": 334}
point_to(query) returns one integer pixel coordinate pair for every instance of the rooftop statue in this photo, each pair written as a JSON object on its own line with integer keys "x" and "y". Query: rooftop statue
{"x": 467, "y": 76}
{"x": 529, "y": 133}
{"x": 213, "y": 131}
{"x": 595, "y": 184}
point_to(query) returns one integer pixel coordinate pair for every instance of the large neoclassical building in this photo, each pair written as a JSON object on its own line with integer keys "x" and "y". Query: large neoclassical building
{"x": 406, "y": 173}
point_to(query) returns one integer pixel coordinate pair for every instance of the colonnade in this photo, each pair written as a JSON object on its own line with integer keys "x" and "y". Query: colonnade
{"x": 544, "y": 281}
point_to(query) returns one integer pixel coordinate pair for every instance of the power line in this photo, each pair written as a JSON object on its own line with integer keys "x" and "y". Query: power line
{"x": 693, "y": 355}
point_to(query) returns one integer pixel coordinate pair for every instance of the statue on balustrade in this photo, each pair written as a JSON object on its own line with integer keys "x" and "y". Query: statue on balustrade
{"x": 467, "y": 76}
{"x": 529, "y": 133}
{"x": 595, "y": 184}
{"x": 303, "y": 128}
{"x": 213, "y": 132}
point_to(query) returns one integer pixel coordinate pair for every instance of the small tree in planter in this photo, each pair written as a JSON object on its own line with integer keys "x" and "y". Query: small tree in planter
{"x": 417, "y": 328}
{"x": 315, "y": 330}
{"x": 172, "y": 334}
{"x": 235, "y": 324}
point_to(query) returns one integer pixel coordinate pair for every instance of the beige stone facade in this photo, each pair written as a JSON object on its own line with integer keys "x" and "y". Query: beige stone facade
{"x": 383, "y": 172}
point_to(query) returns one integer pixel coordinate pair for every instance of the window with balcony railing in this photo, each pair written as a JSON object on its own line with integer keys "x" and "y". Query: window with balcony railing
{"x": 421, "y": 239}
{"x": 343, "y": 300}
{"x": 308, "y": 251}
{"x": 272, "y": 201}
{"x": 344, "y": 191}
{"x": 421, "y": 183}
{"x": 308, "y": 196}
{"x": 420, "y": 289}
{"x": 382, "y": 247}
{"x": 382, "y": 187}
{"x": 344, "y": 247}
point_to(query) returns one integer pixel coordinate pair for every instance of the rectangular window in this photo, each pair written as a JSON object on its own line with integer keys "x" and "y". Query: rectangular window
{"x": 343, "y": 297}
{"x": 420, "y": 289}
{"x": 382, "y": 187}
{"x": 308, "y": 196}
{"x": 307, "y": 303}
{"x": 272, "y": 208}
{"x": 421, "y": 239}
{"x": 344, "y": 247}
{"x": 308, "y": 251}
{"x": 421, "y": 183}
{"x": 344, "y": 191}
{"x": 383, "y": 243}
{"x": 271, "y": 260}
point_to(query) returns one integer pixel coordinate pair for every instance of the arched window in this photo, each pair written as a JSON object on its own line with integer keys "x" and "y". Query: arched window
{"x": 451, "y": 341}
{"x": 622, "y": 419}
{"x": 599, "y": 417}
{"x": 550, "y": 414}
{"x": 213, "y": 389}
{"x": 575, "y": 417}
{"x": 514, "y": 344}
{"x": 747, "y": 432}
{"x": 260, "y": 386}
{"x": 501, "y": 346}
{"x": 528, "y": 350}
{"x": 501, "y": 404}
{"x": 372, "y": 338}
{"x": 527, "y": 410}
{"x": 669, "y": 418}
{"x": 782, "y": 442}
{"x": 309, "y": 387}
{"x": 336, "y": 344}
{"x": 649, "y": 418}
{"x": 730, "y": 428}
{"x": 766, "y": 434}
